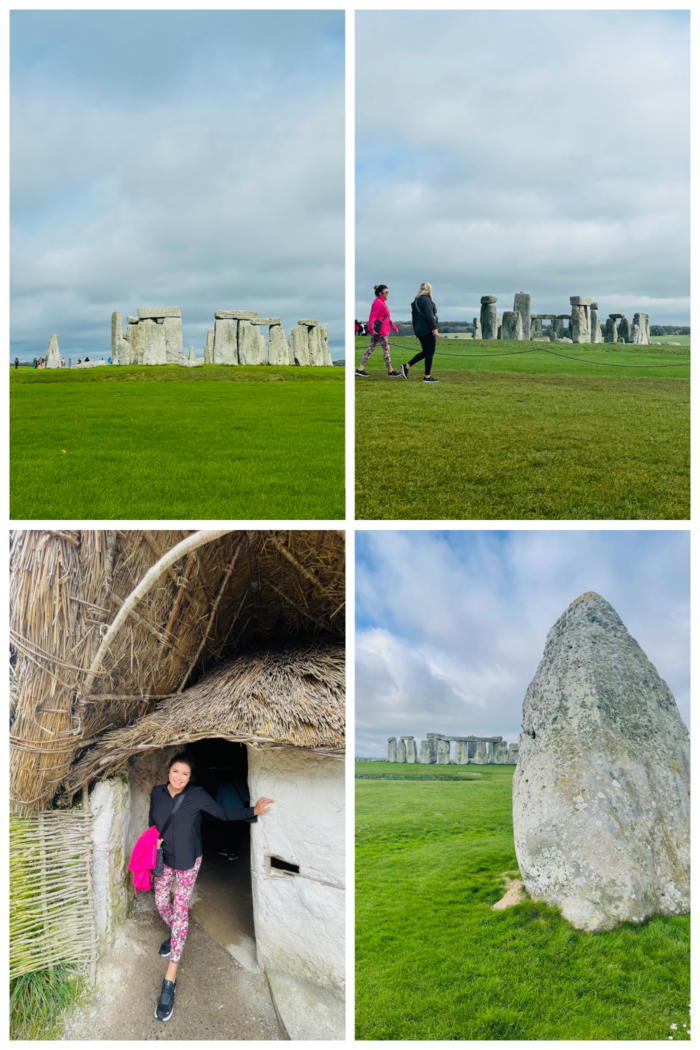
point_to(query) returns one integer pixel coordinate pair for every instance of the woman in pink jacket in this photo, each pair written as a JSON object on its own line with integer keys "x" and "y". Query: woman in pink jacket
{"x": 379, "y": 327}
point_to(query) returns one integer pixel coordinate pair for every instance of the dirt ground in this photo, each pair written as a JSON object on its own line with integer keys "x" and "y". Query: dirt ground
{"x": 221, "y": 993}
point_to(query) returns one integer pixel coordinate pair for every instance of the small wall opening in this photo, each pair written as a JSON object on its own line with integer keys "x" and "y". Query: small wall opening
{"x": 277, "y": 864}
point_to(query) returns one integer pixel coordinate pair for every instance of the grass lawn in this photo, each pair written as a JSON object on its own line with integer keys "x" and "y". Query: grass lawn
{"x": 212, "y": 442}
{"x": 525, "y": 437}
{"x": 433, "y": 961}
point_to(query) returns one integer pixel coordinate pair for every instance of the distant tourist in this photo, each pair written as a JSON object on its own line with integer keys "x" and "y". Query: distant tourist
{"x": 87, "y": 359}
{"x": 16, "y": 362}
{"x": 425, "y": 326}
{"x": 79, "y": 361}
{"x": 70, "y": 362}
{"x": 34, "y": 362}
{"x": 109, "y": 360}
{"x": 357, "y": 328}
{"x": 63, "y": 362}
{"x": 380, "y": 324}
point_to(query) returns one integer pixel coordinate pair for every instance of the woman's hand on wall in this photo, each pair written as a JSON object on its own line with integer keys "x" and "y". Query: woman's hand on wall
{"x": 262, "y": 806}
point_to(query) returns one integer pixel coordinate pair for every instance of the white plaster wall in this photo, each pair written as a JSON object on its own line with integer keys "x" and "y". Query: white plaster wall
{"x": 109, "y": 804}
{"x": 300, "y": 919}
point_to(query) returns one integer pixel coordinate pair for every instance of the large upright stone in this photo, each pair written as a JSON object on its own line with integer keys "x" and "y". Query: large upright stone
{"x": 225, "y": 342}
{"x": 512, "y": 325}
{"x": 299, "y": 345}
{"x": 557, "y": 328}
{"x": 580, "y": 325}
{"x": 624, "y": 331}
{"x": 117, "y": 333}
{"x": 428, "y": 752}
{"x": 53, "y": 354}
{"x": 596, "y": 333}
{"x": 481, "y": 754}
{"x": 315, "y": 346}
{"x": 192, "y": 357}
{"x": 263, "y": 346}
{"x": 512, "y": 754}
{"x": 489, "y": 317}
{"x": 477, "y": 327}
{"x": 173, "y": 339}
{"x": 209, "y": 348}
{"x": 249, "y": 350}
{"x": 535, "y": 328}
{"x": 411, "y": 753}
{"x": 499, "y": 752}
{"x": 611, "y": 330}
{"x": 327, "y": 358}
{"x": 642, "y": 322}
{"x": 153, "y": 342}
{"x": 443, "y": 752}
{"x": 521, "y": 305}
{"x": 391, "y": 749}
{"x": 635, "y": 333}
{"x": 499, "y": 327}
{"x": 401, "y": 750}
{"x": 277, "y": 351}
{"x": 137, "y": 342}
{"x": 461, "y": 752}
{"x": 601, "y": 794}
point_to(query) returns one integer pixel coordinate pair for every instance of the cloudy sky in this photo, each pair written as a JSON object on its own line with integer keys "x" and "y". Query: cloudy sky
{"x": 175, "y": 158}
{"x": 537, "y": 151}
{"x": 452, "y": 625}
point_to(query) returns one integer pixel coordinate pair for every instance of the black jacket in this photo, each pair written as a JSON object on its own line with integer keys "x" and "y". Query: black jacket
{"x": 183, "y": 839}
{"x": 424, "y": 315}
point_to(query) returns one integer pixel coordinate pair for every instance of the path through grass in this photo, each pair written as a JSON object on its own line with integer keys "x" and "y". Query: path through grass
{"x": 433, "y": 961}
{"x": 496, "y": 441}
{"x": 146, "y": 443}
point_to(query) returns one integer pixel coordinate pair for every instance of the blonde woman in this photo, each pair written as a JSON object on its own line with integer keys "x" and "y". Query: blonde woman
{"x": 425, "y": 326}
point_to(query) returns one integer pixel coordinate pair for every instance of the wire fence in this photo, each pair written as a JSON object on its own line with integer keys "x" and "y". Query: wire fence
{"x": 52, "y": 914}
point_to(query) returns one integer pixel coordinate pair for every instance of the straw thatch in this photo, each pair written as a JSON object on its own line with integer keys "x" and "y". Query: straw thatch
{"x": 293, "y": 697}
{"x": 74, "y": 677}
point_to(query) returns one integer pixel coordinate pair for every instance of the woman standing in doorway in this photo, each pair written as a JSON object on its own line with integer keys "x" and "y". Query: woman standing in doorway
{"x": 380, "y": 324}
{"x": 425, "y": 326}
{"x": 176, "y": 808}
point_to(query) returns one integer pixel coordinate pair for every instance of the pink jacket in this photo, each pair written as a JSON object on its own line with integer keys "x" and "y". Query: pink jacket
{"x": 143, "y": 859}
{"x": 380, "y": 312}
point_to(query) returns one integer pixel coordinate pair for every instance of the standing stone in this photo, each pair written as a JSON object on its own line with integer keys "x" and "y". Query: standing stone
{"x": 443, "y": 752}
{"x": 327, "y": 358}
{"x": 461, "y": 752}
{"x": 53, "y": 354}
{"x": 535, "y": 328}
{"x": 263, "y": 345}
{"x": 225, "y": 342}
{"x": 512, "y": 325}
{"x": 580, "y": 325}
{"x": 642, "y": 334}
{"x": 512, "y": 754}
{"x": 153, "y": 342}
{"x": 137, "y": 343}
{"x": 499, "y": 753}
{"x": 249, "y": 345}
{"x": 477, "y": 328}
{"x": 471, "y": 749}
{"x": 401, "y": 750}
{"x": 499, "y": 321}
{"x": 601, "y": 794}
{"x": 521, "y": 305}
{"x": 635, "y": 333}
{"x": 623, "y": 331}
{"x": 192, "y": 357}
{"x": 427, "y": 752}
{"x": 481, "y": 756}
{"x": 391, "y": 750}
{"x": 315, "y": 344}
{"x": 209, "y": 348}
{"x": 278, "y": 351}
{"x": 299, "y": 345}
{"x": 117, "y": 334}
{"x": 611, "y": 330}
{"x": 173, "y": 340}
{"x": 489, "y": 317}
{"x": 411, "y": 754}
{"x": 557, "y": 328}
{"x": 596, "y": 333}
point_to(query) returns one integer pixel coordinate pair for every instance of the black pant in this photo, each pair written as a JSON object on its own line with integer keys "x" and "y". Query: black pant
{"x": 427, "y": 343}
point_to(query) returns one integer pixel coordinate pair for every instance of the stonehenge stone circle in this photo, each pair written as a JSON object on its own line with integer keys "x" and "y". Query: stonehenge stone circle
{"x": 601, "y": 793}
{"x": 53, "y": 354}
{"x": 488, "y": 750}
{"x": 489, "y": 317}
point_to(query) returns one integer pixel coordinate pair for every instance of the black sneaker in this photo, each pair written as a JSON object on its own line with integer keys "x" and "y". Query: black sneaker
{"x": 361, "y": 372}
{"x": 233, "y": 856}
{"x": 222, "y": 852}
{"x": 430, "y": 379}
{"x": 164, "y": 1006}
{"x": 393, "y": 375}
{"x": 404, "y": 371}
{"x": 164, "y": 949}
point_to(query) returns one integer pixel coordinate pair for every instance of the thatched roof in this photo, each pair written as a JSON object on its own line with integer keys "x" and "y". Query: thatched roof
{"x": 81, "y": 667}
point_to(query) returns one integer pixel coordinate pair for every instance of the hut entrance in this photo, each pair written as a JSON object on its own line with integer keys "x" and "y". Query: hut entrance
{"x": 223, "y": 901}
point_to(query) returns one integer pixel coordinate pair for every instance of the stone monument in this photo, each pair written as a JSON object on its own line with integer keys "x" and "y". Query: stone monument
{"x": 489, "y": 317}
{"x": 53, "y": 354}
{"x": 601, "y": 793}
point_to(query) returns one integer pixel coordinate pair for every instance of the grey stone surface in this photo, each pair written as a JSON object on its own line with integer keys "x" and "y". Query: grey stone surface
{"x": 153, "y": 312}
{"x": 123, "y": 353}
{"x": 443, "y": 752}
{"x": 499, "y": 324}
{"x": 137, "y": 343}
{"x": 225, "y": 348}
{"x": 428, "y": 752}
{"x": 499, "y": 753}
{"x": 634, "y": 335}
{"x": 154, "y": 352}
{"x": 192, "y": 357}
{"x": 299, "y": 345}
{"x": 391, "y": 749}
{"x": 249, "y": 352}
{"x": 315, "y": 344}
{"x": 263, "y": 346}
{"x": 580, "y": 300}
{"x": 601, "y": 793}
{"x": 624, "y": 331}
{"x": 265, "y": 320}
{"x": 618, "y": 317}
{"x": 489, "y": 317}
{"x": 117, "y": 333}
{"x": 477, "y": 327}
{"x": 132, "y": 320}
{"x": 481, "y": 755}
{"x": 308, "y": 322}
{"x": 401, "y": 750}
{"x": 610, "y": 335}
{"x": 564, "y": 339}
{"x": 461, "y": 752}
{"x": 278, "y": 351}
{"x": 512, "y": 754}
{"x": 557, "y": 328}
{"x": 642, "y": 321}
{"x": 411, "y": 753}
{"x": 596, "y": 332}
{"x": 535, "y": 328}
{"x": 209, "y": 348}
{"x": 173, "y": 339}
{"x": 327, "y": 358}
{"x": 234, "y": 315}
{"x": 580, "y": 325}
{"x": 521, "y": 305}
{"x": 53, "y": 354}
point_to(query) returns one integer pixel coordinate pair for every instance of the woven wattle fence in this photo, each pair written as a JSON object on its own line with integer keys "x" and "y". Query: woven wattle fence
{"x": 52, "y": 916}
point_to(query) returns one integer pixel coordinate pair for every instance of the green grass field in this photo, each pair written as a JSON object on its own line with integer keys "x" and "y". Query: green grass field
{"x": 212, "y": 442}
{"x": 525, "y": 436}
{"x": 433, "y": 961}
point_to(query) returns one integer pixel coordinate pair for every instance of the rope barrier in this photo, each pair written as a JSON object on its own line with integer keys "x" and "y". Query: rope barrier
{"x": 545, "y": 350}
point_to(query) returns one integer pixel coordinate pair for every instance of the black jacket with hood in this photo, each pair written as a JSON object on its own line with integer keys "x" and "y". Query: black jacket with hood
{"x": 423, "y": 315}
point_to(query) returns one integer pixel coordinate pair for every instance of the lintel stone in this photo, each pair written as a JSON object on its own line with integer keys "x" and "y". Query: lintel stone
{"x": 308, "y": 323}
{"x": 266, "y": 320}
{"x": 158, "y": 311}
{"x": 234, "y": 315}
{"x": 579, "y": 300}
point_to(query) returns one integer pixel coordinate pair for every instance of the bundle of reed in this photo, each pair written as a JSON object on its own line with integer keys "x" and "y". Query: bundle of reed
{"x": 51, "y": 904}
{"x": 89, "y": 657}
{"x": 293, "y": 697}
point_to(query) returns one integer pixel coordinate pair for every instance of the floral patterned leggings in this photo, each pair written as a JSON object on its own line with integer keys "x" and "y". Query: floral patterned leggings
{"x": 373, "y": 340}
{"x": 176, "y": 914}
